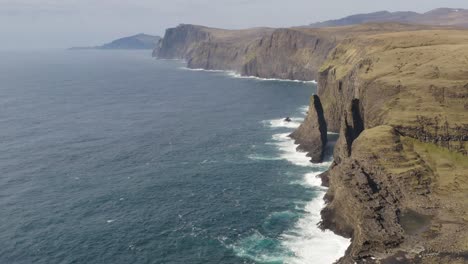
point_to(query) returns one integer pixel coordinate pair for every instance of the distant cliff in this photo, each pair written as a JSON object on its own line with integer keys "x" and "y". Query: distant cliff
{"x": 262, "y": 52}
{"x": 398, "y": 96}
{"x": 140, "y": 41}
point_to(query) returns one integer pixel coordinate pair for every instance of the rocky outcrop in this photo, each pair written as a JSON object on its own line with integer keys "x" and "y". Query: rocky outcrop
{"x": 312, "y": 133}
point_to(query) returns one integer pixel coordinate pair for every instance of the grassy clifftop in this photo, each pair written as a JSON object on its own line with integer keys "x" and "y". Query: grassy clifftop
{"x": 400, "y": 190}
{"x": 414, "y": 80}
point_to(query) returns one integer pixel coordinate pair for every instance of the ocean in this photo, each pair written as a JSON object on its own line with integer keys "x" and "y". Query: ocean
{"x": 115, "y": 157}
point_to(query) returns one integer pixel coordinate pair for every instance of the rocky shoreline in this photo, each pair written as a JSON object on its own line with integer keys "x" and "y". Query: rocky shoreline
{"x": 398, "y": 96}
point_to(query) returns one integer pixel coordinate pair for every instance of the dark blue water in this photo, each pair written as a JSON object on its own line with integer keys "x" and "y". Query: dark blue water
{"x": 113, "y": 157}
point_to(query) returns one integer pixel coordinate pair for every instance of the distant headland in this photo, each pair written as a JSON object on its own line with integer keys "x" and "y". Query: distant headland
{"x": 136, "y": 42}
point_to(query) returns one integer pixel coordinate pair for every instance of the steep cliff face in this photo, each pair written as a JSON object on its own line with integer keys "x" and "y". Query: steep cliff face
{"x": 311, "y": 136}
{"x": 289, "y": 54}
{"x": 400, "y": 171}
{"x": 262, "y": 52}
{"x": 394, "y": 197}
{"x": 177, "y": 42}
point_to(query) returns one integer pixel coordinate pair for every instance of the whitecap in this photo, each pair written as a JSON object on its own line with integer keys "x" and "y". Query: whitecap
{"x": 262, "y": 157}
{"x": 278, "y": 123}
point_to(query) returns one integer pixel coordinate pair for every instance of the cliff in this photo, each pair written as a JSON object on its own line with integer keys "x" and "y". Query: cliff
{"x": 398, "y": 96}
{"x": 399, "y": 181}
{"x": 287, "y": 53}
{"x": 292, "y": 53}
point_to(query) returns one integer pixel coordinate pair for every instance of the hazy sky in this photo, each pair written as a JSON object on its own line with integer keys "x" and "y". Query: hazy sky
{"x": 65, "y": 23}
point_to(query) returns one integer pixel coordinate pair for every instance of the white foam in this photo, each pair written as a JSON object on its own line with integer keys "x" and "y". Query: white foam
{"x": 237, "y": 75}
{"x": 278, "y": 123}
{"x": 234, "y": 74}
{"x": 313, "y": 180}
{"x": 308, "y": 242}
{"x": 199, "y": 69}
{"x": 261, "y": 157}
{"x": 304, "y": 109}
{"x": 288, "y": 152}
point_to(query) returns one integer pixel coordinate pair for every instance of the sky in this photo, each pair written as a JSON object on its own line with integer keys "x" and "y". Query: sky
{"x": 43, "y": 24}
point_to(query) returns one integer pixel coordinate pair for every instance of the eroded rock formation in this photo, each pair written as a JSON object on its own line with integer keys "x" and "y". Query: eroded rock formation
{"x": 311, "y": 136}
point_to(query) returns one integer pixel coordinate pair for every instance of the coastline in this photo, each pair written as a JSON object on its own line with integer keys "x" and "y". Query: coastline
{"x": 399, "y": 107}
{"x": 314, "y": 235}
{"x": 311, "y": 224}
{"x": 235, "y": 74}
{"x": 307, "y": 240}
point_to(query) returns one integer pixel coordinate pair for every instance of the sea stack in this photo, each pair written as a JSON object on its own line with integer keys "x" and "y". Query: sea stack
{"x": 312, "y": 134}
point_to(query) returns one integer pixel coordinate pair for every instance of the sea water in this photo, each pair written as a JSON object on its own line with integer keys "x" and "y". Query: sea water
{"x": 114, "y": 157}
